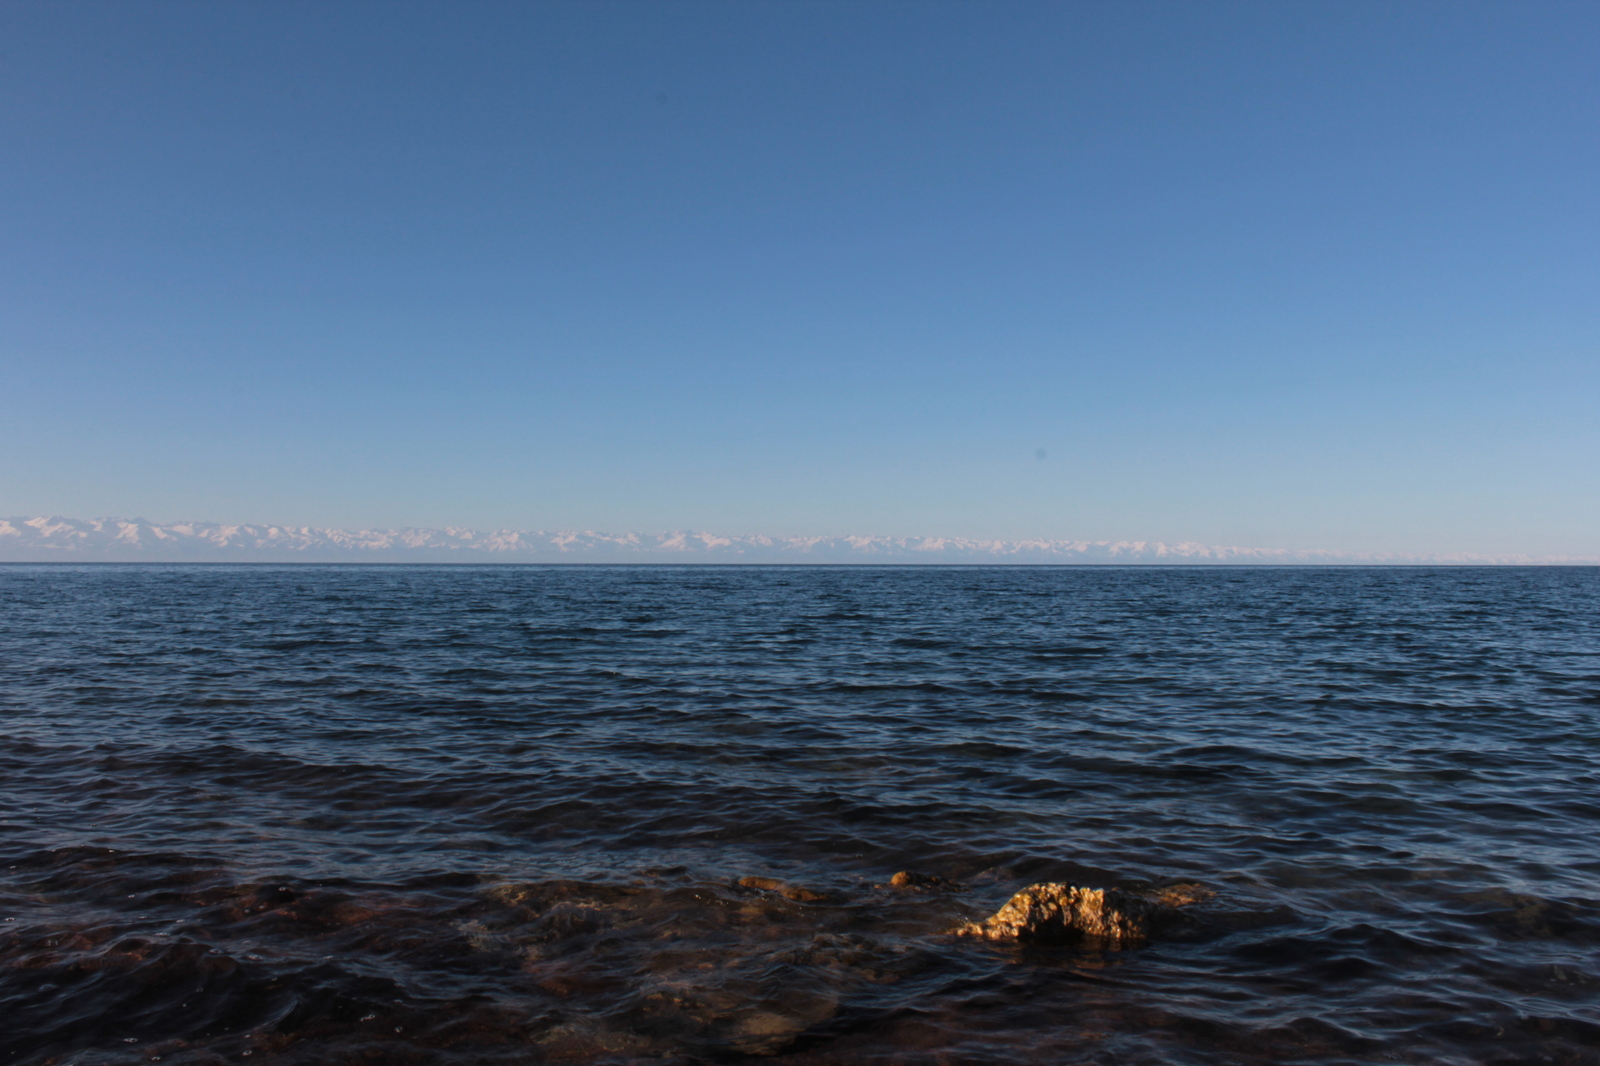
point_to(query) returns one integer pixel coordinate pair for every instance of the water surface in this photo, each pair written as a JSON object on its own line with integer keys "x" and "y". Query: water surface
{"x": 499, "y": 814}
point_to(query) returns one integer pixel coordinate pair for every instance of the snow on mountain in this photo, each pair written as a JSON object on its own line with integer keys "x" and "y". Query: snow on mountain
{"x": 56, "y": 539}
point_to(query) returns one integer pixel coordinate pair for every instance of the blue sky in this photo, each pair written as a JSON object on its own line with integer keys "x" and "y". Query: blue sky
{"x": 1284, "y": 274}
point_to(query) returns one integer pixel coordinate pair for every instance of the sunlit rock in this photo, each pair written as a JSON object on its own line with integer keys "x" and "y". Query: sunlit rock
{"x": 1058, "y": 914}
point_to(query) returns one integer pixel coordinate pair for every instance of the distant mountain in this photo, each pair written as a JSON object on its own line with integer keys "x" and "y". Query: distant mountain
{"x": 137, "y": 540}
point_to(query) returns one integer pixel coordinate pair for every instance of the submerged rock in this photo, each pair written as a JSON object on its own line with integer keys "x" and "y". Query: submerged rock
{"x": 912, "y": 879}
{"x": 1058, "y": 914}
{"x": 1181, "y": 895}
{"x": 784, "y": 889}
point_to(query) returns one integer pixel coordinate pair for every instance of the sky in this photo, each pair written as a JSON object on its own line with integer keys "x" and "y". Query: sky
{"x": 1298, "y": 275}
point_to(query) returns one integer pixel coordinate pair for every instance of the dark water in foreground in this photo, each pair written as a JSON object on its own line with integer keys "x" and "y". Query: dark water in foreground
{"x": 497, "y": 815}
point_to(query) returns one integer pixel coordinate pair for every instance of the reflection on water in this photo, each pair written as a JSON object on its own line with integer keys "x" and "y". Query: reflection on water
{"x": 518, "y": 814}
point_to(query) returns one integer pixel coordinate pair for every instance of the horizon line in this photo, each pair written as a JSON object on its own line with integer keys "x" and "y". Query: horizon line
{"x": 55, "y": 538}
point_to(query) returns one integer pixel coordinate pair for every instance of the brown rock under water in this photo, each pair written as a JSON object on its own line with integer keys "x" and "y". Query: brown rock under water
{"x": 912, "y": 879}
{"x": 772, "y": 884}
{"x": 1056, "y": 914}
{"x": 1181, "y": 895}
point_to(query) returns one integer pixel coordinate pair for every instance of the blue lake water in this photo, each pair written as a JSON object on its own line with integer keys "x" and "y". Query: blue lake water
{"x": 500, "y": 814}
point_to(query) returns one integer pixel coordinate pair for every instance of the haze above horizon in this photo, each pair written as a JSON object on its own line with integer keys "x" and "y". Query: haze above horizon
{"x": 1296, "y": 276}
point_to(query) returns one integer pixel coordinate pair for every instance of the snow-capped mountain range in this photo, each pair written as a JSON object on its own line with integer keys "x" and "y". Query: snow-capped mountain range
{"x": 57, "y": 539}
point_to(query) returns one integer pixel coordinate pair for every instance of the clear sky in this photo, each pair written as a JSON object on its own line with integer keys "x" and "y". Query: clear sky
{"x": 1279, "y": 274}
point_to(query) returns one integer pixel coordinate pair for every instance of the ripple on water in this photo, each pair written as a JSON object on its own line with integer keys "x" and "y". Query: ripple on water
{"x": 519, "y": 814}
